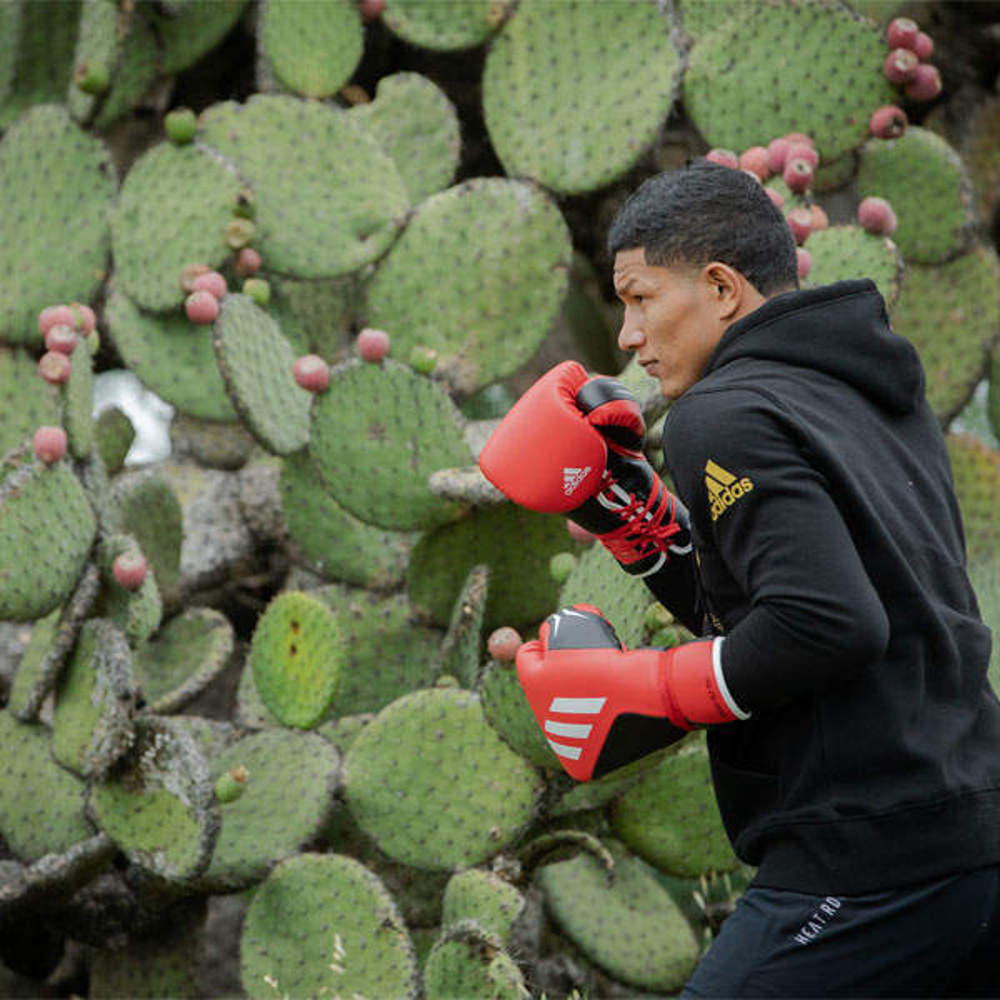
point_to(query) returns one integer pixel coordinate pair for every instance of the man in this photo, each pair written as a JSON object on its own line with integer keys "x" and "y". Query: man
{"x": 854, "y": 737}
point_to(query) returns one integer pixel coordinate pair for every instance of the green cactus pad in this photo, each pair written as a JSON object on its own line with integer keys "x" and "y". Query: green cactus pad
{"x": 113, "y": 435}
{"x": 193, "y": 29}
{"x": 333, "y": 542}
{"x": 54, "y": 234}
{"x": 185, "y": 656}
{"x": 417, "y": 126}
{"x": 26, "y": 401}
{"x": 328, "y": 200}
{"x": 843, "y": 252}
{"x": 134, "y": 75}
{"x": 137, "y": 613}
{"x": 316, "y": 316}
{"x": 386, "y": 653}
{"x": 256, "y": 363}
{"x": 670, "y": 816}
{"x": 323, "y": 925}
{"x": 951, "y": 313}
{"x": 509, "y": 713}
{"x": 976, "y": 468}
{"x": 462, "y": 646}
{"x": 632, "y": 928}
{"x": 469, "y": 961}
{"x": 478, "y": 276}
{"x": 459, "y": 24}
{"x": 312, "y": 49}
{"x": 97, "y": 51}
{"x": 33, "y": 665}
{"x": 981, "y": 156}
{"x": 826, "y": 84}
{"x": 560, "y": 96}
{"x": 596, "y": 794}
{"x": 41, "y": 803}
{"x": 515, "y": 543}
{"x": 170, "y": 356}
{"x": 297, "y": 656}
{"x": 251, "y": 712}
{"x": 46, "y": 529}
{"x": 78, "y": 404}
{"x": 172, "y": 212}
{"x": 699, "y": 17}
{"x": 10, "y": 27}
{"x": 399, "y": 427}
{"x": 430, "y": 781}
{"x": 160, "y": 808}
{"x": 835, "y": 174}
{"x": 483, "y": 896}
{"x": 597, "y": 579}
{"x": 925, "y": 181}
{"x": 286, "y": 800}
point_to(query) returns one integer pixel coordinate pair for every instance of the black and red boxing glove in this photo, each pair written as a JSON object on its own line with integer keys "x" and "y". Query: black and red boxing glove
{"x": 602, "y": 706}
{"x": 573, "y": 445}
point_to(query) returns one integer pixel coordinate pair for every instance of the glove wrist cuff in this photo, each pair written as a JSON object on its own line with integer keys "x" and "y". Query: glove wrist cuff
{"x": 694, "y": 685}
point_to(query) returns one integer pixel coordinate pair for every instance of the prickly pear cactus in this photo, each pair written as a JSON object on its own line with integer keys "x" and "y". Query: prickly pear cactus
{"x": 26, "y": 402}
{"x": 843, "y": 252}
{"x": 469, "y": 961}
{"x": 483, "y": 896}
{"x": 462, "y": 645}
{"x": 459, "y": 25}
{"x": 976, "y": 468}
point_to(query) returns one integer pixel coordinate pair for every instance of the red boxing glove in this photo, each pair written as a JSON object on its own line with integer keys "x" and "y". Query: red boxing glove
{"x": 573, "y": 445}
{"x": 602, "y": 706}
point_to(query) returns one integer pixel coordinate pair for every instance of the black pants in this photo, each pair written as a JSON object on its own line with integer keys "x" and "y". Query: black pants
{"x": 939, "y": 939}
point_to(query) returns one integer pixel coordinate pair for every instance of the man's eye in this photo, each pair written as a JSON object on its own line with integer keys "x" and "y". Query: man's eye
{"x": 638, "y": 299}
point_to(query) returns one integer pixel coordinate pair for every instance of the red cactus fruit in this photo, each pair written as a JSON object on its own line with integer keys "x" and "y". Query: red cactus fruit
{"x": 312, "y": 373}
{"x": 776, "y": 196}
{"x": 190, "y": 273}
{"x": 900, "y": 66}
{"x": 503, "y": 643}
{"x": 52, "y": 316}
{"x": 888, "y": 122}
{"x": 371, "y": 10}
{"x": 803, "y": 262}
{"x": 820, "y": 220}
{"x": 54, "y": 367}
{"x": 804, "y": 137}
{"x": 129, "y": 570}
{"x": 777, "y": 154}
{"x": 211, "y": 282}
{"x": 49, "y": 444}
{"x": 86, "y": 319}
{"x": 247, "y": 262}
{"x": 923, "y": 46}
{"x": 925, "y": 85}
{"x": 754, "y": 159}
{"x": 803, "y": 151}
{"x": 202, "y": 307}
{"x": 61, "y": 338}
{"x": 724, "y": 157}
{"x": 578, "y": 533}
{"x": 875, "y": 215}
{"x": 800, "y": 222}
{"x": 798, "y": 174}
{"x": 372, "y": 345}
{"x": 902, "y": 33}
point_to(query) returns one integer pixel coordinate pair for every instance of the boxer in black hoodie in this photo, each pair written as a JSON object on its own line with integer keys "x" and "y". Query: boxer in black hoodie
{"x": 816, "y": 549}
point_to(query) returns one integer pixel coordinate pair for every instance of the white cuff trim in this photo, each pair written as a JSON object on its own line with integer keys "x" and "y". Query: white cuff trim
{"x": 720, "y": 680}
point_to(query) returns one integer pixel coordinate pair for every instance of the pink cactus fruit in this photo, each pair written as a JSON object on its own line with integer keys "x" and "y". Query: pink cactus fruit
{"x": 776, "y": 196}
{"x": 803, "y": 262}
{"x": 724, "y": 157}
{"x": 902, "y": 33}
{"x": 923, "y": 46}
{"x": 503, "y": 644}
{"x": 61, "y": 338}
{"x": 51, "y": 316}
{"x": 54, "y": 367}
{"x": 49, "y": 444}
{"x": 202, "y": 307}
{"x": 372, "y": 345}
{"x": 129, "y": 569}
{"x": 190, "y": 273}
{"x": 925, "y": 85}
{"x": 247, "y": 262}
{"x": 820, "y": 220}
{"x": 900, "y": 66}
{"x": 888, "y": 122}
{"x": 800, "y": 223}
{"x": 798, "y": 174}
{"x": 371, "y": 10}
{"x": 312, "y": 373}
{"x": 86, "y": 318}
{"x": 777, "y": 154}
{"x": 803, "y": 151}
{"x": 875, "y": 215}
{"x": 211, "y": 282}
{"x": 754, "y": 159}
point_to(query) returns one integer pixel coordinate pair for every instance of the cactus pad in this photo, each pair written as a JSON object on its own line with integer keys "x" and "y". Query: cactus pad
{"x": 41, "y": 803}
{"x": 312, "y": 49}
{"x": 483, "y": 896}
{"x": 631, "y": 928}
{"x": 827, "y": 84}
{"x": 25, "y": 401}
{"x": 172, "y": 212}
{"x": 160, "y": 808}
{"x": 54, "y": 234}
{"x": 315, "y": 316}
{"x": 297, "y": 656}
{"x": 193, "y": 28}
{"x": 843, "y": 252}
{"x": 976, "y": 468}
{"x": 333, "y": 542}
{"x": 323, "y": 925}
{"x": 560, "y": 96}
{"x": 185, "y": 656}
{"x": 416, "y": 125}
{"x": 137, "y": 613}
{"x": 462, "y": 646}
{"x": 670, "y": 816}
{"x": 951, "y": 313}
{"x": 78, "y": 404}
{"x": 478, "y": 276}
{"x": 256, "y": 364}
{"x": 459, "y": 24}
{"x": 287, "y": 798}
{"x": 925, "y": 181}
{"x": 433, "y": 785}
{"x": 509, "y": 713}
{"x": 328, "y": 200}
{"x": 399, "y": 427}
{"x": 468, "y": 961}
{"x": 46, "y": 530}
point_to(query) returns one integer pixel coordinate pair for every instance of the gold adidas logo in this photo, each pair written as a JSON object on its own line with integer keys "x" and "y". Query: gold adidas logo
{"x": 724, "y": 489}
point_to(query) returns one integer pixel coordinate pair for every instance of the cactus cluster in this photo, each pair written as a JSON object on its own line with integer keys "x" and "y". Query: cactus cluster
{"x": 339, "y": 267}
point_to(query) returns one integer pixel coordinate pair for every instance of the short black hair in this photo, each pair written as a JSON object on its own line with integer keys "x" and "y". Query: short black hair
{"x": 705, "y": 212}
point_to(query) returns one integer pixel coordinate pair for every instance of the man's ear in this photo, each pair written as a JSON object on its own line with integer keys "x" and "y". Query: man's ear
{"x": 727, "y": 287}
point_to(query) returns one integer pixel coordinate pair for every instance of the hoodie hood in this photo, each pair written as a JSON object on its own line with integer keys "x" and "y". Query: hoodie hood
{"x": 841, "y": 330}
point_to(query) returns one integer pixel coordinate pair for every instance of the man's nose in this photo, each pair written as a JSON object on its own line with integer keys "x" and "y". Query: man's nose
{"x": 630, "y": 337}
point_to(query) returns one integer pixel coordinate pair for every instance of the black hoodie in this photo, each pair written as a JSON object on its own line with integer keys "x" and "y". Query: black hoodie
{"x": 830, "y": 554}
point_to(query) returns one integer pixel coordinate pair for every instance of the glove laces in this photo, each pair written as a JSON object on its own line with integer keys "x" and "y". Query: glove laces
{"x": 647, "y": 527}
